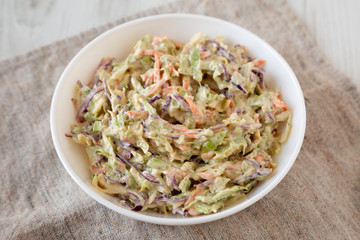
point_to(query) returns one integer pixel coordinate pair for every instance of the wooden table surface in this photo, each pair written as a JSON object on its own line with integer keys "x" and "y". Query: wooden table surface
{"x": 29, "y": 24}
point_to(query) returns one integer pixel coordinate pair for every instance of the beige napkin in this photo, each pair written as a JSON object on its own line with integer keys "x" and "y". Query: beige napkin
{"x": 318, "y": 199}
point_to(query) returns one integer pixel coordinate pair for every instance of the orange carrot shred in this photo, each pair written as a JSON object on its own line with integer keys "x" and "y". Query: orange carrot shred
{"x": 192, "y": 197}
{"x": 155, "y": 87}
{"x": 199, "y": 119}
{"x": 186, "y": 82}
{"x": 258, "y": 62}
{"x": 157, "y": 67}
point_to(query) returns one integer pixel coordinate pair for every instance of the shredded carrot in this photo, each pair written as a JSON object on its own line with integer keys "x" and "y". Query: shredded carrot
{"x": 168, "y": 90}
{"x": 158, "y": 39}
{"x": 138, "y": 113}
{"x": 147, "y": 78}
{"x": 172, "y": 70}
{"x": 256, "y": 117}
{"x": 206, "y": 175}
{"x": 192, "y": 197}
{"x": 150, "y": 79}
{"x": 259, "y": 158}
{"x": 199, "y": 119}
{"x": 157, "y": 67}
{"x": 151, "y": 52}
{"x": 176, "y": 171}
{"x": 234, "y": 166}
{"x": 95, "y": 169}
{"x": 258, "y": 62}
{"x": 208, "y": 155}
{"x": 182, "y": 147}
{"x": 271, "y": 166}
{"x": 171, "y": 89}
{"x": 231, "y": 106}
{"x": 179, "y": 128}
{"x": 155, "y": 87}
{"x": 279, "y": 104}
{"x": 193, "y": 212}
{"x": 186, "y": 82}
{"x": 129, "y": 140}
{"x": 204, "y": 54}
{"x": 189, "y": 133}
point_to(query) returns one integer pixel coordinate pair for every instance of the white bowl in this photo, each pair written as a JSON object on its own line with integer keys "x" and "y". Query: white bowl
{"x": 118, "y": 42}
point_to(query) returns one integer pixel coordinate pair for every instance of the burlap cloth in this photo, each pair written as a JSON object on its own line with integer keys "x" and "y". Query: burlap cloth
{"x": 318, "y": 199}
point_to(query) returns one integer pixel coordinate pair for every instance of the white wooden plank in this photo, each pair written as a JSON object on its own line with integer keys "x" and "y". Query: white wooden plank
{"x": 335, "y": 24}
{"x": 26, "y": 25}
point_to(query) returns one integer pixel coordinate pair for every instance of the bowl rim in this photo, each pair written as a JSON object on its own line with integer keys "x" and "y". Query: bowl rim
{"x": 163, "y": 220}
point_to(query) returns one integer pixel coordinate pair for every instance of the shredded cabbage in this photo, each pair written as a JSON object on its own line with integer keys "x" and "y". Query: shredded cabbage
{"x": 180, "y": 128}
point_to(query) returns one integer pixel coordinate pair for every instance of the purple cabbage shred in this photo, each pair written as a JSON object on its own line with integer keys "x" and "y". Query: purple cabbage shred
{"x": 166, "y": 106}
{"x": 123, "y": 159}
{"x": 99, "y": 160}
{"x": 111, "y": 180}
{"x": 167, "y": 198}
{"x": 226, "y": 93}
{"x": 270, "y": 116}
{"x": 138, "y": 203}
{"x": 226, "y": 74}
{"x": 94, "y": 82}
{"x": 206, "y": 183}
{"x": 259, "y": 73}
{"x": 86, "y": 102}
{"x": 218, "y": 126}
{"x": 182, "y": 102}
{"x": 252, "y": 162}
{"x": 125, "y": 144}
{"x": 258, "y": 173}
{"x": 106, "y": 91}
{"x": 108, "y": 63}
{"x": 79, "y": 84}
{"x": 238, "y": 86}
{"x": 223, "y": 52}
{"x": 153, "y": 99}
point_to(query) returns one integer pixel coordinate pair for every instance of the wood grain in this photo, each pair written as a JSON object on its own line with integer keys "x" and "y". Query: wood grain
{"x": 26, "y": 25}
{"x": 29, "y": 24}
{"x": 335, "y": 24}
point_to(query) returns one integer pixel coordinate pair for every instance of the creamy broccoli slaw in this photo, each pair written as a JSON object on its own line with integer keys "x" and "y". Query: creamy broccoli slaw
{"x": 180, "y": 128}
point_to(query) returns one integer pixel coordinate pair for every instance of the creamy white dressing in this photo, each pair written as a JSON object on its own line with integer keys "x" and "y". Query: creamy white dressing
{"x": 180, "y": 128}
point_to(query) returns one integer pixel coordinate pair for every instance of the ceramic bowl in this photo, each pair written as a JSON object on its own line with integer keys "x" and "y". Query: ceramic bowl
{"x": 118, "y": 42}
